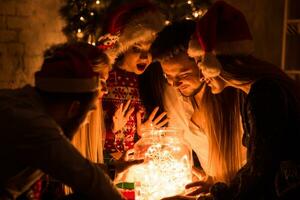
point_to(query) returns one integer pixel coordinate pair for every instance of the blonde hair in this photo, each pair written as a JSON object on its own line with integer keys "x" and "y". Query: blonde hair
{"x": 89, "y": 138}
{"x": 220, "y": 116}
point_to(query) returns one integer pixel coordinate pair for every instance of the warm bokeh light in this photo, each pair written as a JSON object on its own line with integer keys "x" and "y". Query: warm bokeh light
{"x": 161, "y": 175}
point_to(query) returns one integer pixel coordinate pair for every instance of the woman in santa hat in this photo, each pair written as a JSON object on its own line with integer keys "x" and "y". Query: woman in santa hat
{"x": 270, "y": 110}
{"x": 131, "y": 28}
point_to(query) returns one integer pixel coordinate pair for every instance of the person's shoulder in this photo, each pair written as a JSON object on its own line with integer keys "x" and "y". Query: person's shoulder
{"x": 266, "y": 82}
{"x": 268, "y": 85}
{"x": 22, "y": 111}
{"x": 267, "y": 91}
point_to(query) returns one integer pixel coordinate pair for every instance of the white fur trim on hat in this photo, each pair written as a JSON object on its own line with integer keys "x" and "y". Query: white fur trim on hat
{"x": 68, "y": 85}
{"x": 210, "y": 66}
{"x": 139, "y": 29}
{"x": 194, "y": 49}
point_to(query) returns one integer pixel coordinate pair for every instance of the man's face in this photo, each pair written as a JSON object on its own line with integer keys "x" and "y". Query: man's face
{"x": 137, "y": 58}
{"x": 73, "y": 123}
{"x": 182, "y": 73}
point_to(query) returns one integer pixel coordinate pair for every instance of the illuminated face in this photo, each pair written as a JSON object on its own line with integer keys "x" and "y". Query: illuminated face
{"x": 137, "y": 58}
{"x": 216, "y": 84}
{"x": 182, "y": 73}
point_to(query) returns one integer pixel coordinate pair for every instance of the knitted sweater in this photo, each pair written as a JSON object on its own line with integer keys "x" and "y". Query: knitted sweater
{"x": 122, "y": 86}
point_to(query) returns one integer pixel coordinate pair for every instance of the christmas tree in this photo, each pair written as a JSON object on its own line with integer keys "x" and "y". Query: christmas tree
{"x": 85, "y": 18}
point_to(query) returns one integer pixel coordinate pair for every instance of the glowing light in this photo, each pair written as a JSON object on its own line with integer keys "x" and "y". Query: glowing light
{"x": 82, "y": 18}
{"x": 167, "y": 22}
{"x": 79, "y": 33}
{"x": 195, "y": 14}
{"x": 161, "y": 174}
{"x": 97, "y": 2}
{"x": 93, "y": 43}
{"x": 92, "y": 13}
{"x": 200, "y": 12}
{"x": 189, "y": 2}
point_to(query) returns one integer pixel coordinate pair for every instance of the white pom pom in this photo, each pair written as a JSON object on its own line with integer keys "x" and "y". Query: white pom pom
{"x": 210, "y": 66}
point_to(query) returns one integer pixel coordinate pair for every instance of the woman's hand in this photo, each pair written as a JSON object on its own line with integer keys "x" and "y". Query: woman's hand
{"x": 123, "y": 163}
{"x": 198, "y": 174}
{"x": 201, "y": 186}
{"x": 121, "y": 116}
{"x": 151, "y": 122}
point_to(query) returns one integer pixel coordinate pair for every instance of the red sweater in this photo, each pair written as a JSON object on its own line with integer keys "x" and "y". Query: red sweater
{"x": 122, "y": 86}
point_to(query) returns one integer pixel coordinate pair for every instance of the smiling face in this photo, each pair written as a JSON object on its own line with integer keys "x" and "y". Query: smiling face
{"x": 216, "y": 84}
{"x": 137, "y": 58}
{"x": 182, "y": 72}
{"x": 195, "y": 51}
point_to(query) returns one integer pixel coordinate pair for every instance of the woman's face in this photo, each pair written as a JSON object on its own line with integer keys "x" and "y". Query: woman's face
{"x": 137, "y": 58}
{"x": 216, "y": 84}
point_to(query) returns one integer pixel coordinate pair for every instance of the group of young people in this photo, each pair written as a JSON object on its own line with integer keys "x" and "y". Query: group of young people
{"x": 241, "y": 115}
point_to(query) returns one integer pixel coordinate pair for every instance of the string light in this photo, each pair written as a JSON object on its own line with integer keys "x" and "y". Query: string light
{"x": 195, "y": 14}
{"x": 160, "y": 170}
{"x": 79, "y": 33}
{"x": 189, "y": 9}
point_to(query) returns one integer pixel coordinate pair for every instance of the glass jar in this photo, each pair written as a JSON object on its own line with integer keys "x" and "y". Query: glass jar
{"x": 167, "y": 165}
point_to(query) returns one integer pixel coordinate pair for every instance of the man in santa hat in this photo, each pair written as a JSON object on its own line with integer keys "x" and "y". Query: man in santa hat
{"x": 37, "y": 124}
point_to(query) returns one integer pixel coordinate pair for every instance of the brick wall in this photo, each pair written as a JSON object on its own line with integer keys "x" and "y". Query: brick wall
{"x": 27, "y": 28}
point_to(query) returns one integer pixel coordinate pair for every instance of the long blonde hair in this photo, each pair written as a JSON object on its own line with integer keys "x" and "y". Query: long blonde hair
{"x": 89, "y": 139}
{"x": 220, "y": 116}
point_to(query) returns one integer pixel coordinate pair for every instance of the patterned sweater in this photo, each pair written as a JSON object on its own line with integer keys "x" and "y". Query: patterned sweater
{"x": 122, "y": 86}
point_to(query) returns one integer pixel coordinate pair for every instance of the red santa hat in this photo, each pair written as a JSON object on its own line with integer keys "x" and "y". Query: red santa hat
{"x": 223, "y": 30}
{"x": 71, "y": 68}
{"x": 131, "y": 23}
